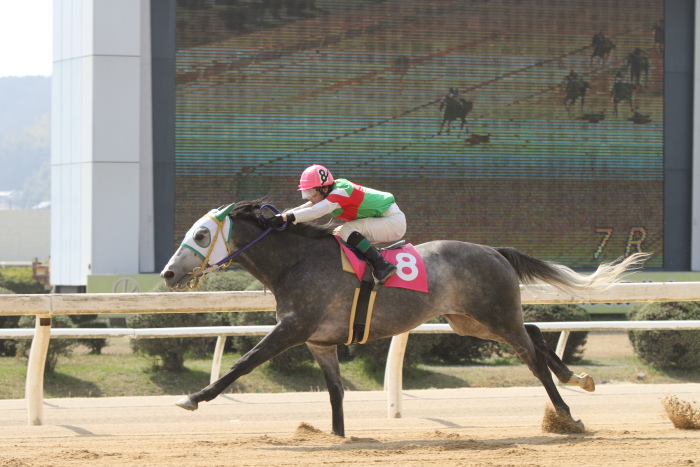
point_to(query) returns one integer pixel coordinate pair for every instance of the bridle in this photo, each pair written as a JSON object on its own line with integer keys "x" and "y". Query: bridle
{"x": 200, "y": 271}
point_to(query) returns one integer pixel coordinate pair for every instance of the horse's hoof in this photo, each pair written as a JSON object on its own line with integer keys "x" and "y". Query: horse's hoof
{"x": 187, "y": 403}
{"x": 586, "y": 383}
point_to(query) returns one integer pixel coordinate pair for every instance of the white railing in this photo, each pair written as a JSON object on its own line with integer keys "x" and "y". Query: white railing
{"x": 44, "y": 306}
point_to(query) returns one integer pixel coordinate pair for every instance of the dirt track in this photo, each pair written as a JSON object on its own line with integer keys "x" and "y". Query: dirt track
{"x": 626, "y": 425}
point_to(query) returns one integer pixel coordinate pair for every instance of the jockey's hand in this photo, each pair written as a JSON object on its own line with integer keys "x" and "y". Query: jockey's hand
{"x": 275, "y": 221}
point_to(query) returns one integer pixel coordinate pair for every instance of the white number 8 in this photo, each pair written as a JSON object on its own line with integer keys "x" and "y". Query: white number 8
{"x": 406, "y": 261}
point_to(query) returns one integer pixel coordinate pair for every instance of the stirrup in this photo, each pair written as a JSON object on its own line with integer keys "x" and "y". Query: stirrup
{"x": 393, "y": 270}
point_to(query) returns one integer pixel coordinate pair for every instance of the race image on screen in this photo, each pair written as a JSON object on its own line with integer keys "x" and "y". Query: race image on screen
{"x": 531, "y": 124}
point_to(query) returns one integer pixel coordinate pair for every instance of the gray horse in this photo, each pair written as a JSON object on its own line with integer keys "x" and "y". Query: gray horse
{"x": 475, "y": 287}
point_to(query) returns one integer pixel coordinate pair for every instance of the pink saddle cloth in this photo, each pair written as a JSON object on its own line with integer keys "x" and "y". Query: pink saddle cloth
{"x": 411, "y": 272}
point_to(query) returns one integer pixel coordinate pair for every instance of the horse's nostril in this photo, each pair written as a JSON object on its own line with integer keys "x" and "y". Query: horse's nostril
{"x": 168, "y": 274}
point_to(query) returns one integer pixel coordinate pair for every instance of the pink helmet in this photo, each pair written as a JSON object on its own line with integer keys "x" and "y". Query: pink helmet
{"x": 316, "y": 175}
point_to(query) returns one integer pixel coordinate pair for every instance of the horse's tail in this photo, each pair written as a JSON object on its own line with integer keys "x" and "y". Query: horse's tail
{"x": 532, "y": 270}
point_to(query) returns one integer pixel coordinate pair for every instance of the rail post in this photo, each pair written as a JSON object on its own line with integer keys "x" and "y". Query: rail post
{"x": 34, "y": 389}
{"x": 216, "y": 361}
{"x": 561, "y": 346}
{"x": 393, "y": 376}
{"x": 561, "y": 343}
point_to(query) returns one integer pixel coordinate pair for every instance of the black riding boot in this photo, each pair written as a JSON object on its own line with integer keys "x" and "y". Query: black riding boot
{"x": 382, "y": 268}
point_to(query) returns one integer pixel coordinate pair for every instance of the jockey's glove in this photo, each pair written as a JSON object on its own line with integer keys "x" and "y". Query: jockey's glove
{"x": 275, "y": 221}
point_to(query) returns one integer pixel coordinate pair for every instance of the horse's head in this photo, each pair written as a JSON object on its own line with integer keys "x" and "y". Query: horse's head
{"x": 209, "y": 243}
{"x": 206, "y": 243}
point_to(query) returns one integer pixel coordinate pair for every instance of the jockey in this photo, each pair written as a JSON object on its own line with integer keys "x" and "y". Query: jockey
{"x": 371, "y": 215}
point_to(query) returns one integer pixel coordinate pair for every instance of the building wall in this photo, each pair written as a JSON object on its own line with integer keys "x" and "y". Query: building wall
{"x": 25, "y": 235}
{"x": 99, "y": 204}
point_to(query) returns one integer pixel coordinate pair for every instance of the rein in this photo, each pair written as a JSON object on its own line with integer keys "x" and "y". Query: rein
{"x": 199, "y": 272}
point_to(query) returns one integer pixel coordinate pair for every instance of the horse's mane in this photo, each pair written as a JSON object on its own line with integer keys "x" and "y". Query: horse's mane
{"x": 251, "y": 210}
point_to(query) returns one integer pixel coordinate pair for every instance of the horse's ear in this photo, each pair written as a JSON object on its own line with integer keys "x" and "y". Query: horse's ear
{"x": 223, "y": 211}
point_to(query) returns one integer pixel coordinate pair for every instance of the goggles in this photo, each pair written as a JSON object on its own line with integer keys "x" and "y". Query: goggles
{"x": 309, "y": 194}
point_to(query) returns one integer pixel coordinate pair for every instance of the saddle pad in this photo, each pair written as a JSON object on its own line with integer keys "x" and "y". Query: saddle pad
{"x": 411, "y": 272}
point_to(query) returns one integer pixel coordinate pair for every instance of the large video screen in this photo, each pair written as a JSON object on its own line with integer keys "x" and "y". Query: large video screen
{"x": 532, "y": 124}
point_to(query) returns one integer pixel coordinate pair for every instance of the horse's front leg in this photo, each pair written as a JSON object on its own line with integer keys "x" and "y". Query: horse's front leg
{"x": 284, "y": 335}
{"x": 327, "y": 359}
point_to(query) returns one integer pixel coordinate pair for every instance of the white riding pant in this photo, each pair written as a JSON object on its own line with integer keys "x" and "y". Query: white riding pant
{"x": 391, "y": 227}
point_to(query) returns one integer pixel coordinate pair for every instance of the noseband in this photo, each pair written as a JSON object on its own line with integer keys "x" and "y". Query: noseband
{"x": 199, "y": 272}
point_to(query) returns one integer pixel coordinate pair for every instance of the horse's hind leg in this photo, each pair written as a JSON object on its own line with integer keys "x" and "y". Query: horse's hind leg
{"x": 536, "y": 362}
{"x": 559, "y": 368}
{"x": 327, "y": 359}
{"x": 518, "y": 338}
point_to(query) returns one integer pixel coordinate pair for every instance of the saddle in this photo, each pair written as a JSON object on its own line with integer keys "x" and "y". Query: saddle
{"x": 411, "y": 270}
{"x": 360, "y": 256}
{"x": 365, "y": 294}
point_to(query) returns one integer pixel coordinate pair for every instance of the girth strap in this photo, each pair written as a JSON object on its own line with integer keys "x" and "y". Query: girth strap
{"x": 362, "y": 306}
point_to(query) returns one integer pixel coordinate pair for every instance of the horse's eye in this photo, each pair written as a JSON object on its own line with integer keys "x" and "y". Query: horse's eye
{"x": 202, "y": 237}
